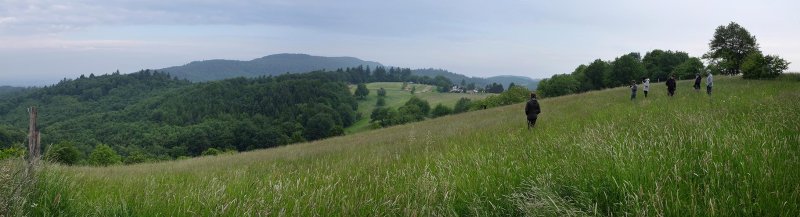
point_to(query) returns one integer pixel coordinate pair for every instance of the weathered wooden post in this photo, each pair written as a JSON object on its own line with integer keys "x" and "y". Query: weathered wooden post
{"x": 33, "y": 137}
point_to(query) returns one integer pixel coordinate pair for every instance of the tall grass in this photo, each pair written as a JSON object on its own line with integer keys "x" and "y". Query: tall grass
{"x": 17, "y": 182}
{"x": 734, "y": 153}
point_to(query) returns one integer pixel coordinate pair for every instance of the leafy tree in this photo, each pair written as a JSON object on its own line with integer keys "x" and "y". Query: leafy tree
{"x": 442, "y": 83}
{"x": 462, "y": 105}
{"x": 729, "y": 47}
{"x": 361, "y": 91}
{"x": 689, "y": 68}
{"x": 381, "y": 92}
{"x": 659, "y": 64}
{"x": 494, "y": 88}
{"x": 580, "y": 75}
{"x": 595, "y": 73}
{"x": 757, "y": 66}
{"x": 422, "y": 104}
{"x": 103, "y": 155}
{"x": 384, "y": 116}
{"x": 624, "y": 69}
{"x": 558, "y": 85}
{"x": 440, "y": 110}
{"x": 319, "y": 126}
{"x": 63, "y": 152}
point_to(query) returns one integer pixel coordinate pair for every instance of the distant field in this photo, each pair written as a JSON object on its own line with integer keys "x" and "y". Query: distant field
{"x": 396, "y": 97}
{"x": 735, "y": 153}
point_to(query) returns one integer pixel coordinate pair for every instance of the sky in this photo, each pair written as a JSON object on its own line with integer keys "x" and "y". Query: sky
{"x": 44, "y": 41}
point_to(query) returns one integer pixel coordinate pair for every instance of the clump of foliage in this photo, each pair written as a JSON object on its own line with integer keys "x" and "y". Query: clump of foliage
{"x": 440, "y": 110}
{"x": 211, "y": 152}
{"x": 104, "y": 155}
{"x": 514, "y": 95}
{"x": 64, "y": 153}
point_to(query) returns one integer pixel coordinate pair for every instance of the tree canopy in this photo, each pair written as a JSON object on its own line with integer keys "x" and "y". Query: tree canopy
{"x": 729, "y": 47}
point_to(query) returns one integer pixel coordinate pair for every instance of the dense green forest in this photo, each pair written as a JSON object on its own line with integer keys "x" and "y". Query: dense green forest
{"x": 150, "y": 115}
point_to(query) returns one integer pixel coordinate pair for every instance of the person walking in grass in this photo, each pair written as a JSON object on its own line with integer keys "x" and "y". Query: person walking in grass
{"x": 697, "y": 79}
{"x": 646, "y": 86}
{"x": 671, "y": 85}
{"x": 709, "y": 83}
{"x": 532, "y": 110}
{"x": 633, "y": 89}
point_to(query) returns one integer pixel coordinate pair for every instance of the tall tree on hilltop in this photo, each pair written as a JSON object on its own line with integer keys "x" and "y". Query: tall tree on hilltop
{"x": 729, "y": 47}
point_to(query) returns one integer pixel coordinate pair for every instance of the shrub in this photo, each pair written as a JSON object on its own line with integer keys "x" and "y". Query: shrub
{"x": 462, "y": 105}
{"x": 103, "y": 155}
{"x": 64, "y": 153}
{"x": 211, "y": 152}
{"x": 441, "y": 110}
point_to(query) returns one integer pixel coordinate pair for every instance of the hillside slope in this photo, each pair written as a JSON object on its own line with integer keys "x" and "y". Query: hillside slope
{"x": 732, "y": 154}
{"x": 275, "y": 64}
{"x": 396, "y": 96}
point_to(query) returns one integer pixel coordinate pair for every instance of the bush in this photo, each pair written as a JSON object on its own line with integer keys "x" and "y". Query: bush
{"x": 136, "y": 157}
{"x": 211, "y": 152}
{"x": 103, "y": 155}
{"x": 514, "y": 95}
{"x": 64, "y": 153}
{"x": 756, "y": 66}
{"x": 441, "y": 110}
{"x": 462, "y": 105}
{"x": 12, "y": 152}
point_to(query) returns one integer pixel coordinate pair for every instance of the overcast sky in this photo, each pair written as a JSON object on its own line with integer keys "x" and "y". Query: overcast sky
{"x": 43, "y": 41}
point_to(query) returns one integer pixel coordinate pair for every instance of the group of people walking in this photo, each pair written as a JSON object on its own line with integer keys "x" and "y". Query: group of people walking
{"x": 532, "y": 108}
{"x": 671, "y": 85}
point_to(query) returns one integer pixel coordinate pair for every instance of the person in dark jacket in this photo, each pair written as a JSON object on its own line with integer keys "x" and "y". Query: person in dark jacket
{"x": 697, "y": 82}
{"x": 532, "y": 110}
{"x": 671, "y": 86}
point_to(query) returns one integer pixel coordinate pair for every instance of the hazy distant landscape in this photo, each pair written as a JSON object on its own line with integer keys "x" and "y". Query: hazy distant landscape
{"x": 308, "y": 108}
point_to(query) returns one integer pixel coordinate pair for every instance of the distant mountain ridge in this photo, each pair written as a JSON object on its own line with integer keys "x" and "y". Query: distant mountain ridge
{"x": 276, "y": 64}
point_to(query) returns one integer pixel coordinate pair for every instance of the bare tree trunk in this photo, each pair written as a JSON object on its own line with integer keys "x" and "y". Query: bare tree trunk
{"x": 33, "y": 137}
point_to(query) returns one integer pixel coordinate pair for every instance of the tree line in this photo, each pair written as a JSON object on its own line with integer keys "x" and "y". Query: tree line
{"x": 732, "y": 51}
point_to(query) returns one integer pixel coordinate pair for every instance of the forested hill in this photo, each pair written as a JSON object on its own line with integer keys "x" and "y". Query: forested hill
{"x": 155, "y": 116}
{"x": 505, "y": 80}
{"x": 276, "y": 64}
{"x": 4, "y": 90}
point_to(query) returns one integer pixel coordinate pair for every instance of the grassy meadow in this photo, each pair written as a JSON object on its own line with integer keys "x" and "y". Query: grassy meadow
{"x": 396, "y": 96}
{"x": 734, "y": 153}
